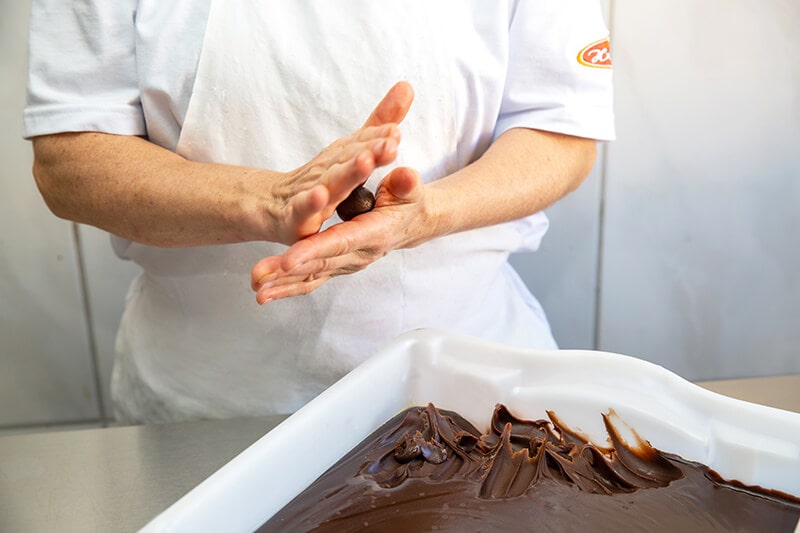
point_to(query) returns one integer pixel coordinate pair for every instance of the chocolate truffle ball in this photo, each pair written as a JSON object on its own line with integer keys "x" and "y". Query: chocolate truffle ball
{"x": 361, "y": 200}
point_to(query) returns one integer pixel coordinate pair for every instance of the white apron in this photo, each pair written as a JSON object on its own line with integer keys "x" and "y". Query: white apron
{"x": 277, "y": 82}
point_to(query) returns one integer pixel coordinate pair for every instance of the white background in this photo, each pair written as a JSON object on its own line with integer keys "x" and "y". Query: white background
{"x": 681, "y": 248}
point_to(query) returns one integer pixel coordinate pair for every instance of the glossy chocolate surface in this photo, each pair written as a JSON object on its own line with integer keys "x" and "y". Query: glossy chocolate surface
{"x": 431, "y": 470}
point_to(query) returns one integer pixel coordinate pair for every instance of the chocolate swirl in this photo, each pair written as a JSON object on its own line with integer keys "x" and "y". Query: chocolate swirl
{"x": 513, "y": 456}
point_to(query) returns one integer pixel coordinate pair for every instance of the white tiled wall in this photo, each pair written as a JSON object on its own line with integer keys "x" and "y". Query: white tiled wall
{"x": 698, "y": 264}
{"x": 46, "y": 371}
{"x": 680, "y": 248}
{"x": 701, "y": 255}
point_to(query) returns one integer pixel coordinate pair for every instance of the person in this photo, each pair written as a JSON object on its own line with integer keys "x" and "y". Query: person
{"x": 214, "y": 140}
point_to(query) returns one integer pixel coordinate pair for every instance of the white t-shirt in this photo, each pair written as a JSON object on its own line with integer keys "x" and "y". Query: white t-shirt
{"x": 127, "y": 67}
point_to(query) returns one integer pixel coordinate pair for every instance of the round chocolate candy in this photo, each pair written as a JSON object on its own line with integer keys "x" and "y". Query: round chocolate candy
{"x": 360, "y": 200}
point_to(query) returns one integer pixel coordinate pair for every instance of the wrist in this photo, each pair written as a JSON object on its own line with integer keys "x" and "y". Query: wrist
{"x": 429, "y": 223}
{"x": 437, "y": 218}
{"x": 258, "y": 211}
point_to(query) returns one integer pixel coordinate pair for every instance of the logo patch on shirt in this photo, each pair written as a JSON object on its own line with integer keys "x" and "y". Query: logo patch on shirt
{"x": 596, "y": 55}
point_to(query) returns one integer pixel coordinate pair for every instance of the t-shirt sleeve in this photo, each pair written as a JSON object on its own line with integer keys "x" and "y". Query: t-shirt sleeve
{"x": 559, "y": 75}
{"x": 82, "y": 68}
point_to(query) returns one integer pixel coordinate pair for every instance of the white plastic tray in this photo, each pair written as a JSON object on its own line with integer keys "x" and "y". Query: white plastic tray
{"x": 751, "y": 443}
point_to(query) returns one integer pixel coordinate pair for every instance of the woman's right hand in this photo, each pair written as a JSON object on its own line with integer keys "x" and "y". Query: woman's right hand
{"x": 307, "y": 196}
{"x": 140, "y": 191}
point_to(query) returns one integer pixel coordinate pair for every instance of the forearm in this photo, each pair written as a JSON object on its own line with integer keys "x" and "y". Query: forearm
{"x": 140, "y": 191}
{"x": 522, "y": 172}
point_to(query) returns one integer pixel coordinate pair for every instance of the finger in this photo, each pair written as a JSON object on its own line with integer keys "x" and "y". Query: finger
{"x": 286, "y": 291}
{"x": 268, "y": 272}
{"x": 305, "y": 204}
{"x": 366, "y": 155}
{"x": 264, "y": 271}
{"x": 383, "y": 147}
{"x": 279, "y": 285}
{"x": 389, "y": 130}
{"x": 341, "y": 178}
{"x": 306, "y": 276}
{"x": 383, "y": 150}
{"x": 304, "y": 212}
{"x": 283, "y": 279}
{"x": 394, "y": 106}
{"x": 337, "y": 265}
{"x": 332, "y": 242}
{"x": 366, "y": 134}
{"x": 353, "y": 149}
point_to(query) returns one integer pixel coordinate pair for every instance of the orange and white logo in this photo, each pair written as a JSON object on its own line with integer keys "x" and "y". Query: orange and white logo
{"x": 597, "y": 54}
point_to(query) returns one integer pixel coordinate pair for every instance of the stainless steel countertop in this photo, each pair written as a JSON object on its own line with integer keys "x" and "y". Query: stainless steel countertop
{"x": 112, "y": 479}
{"x": 118, "y": 479}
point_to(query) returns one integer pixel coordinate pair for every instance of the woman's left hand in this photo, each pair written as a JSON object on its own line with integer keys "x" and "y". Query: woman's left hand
{"x": 522, "y": 172}
{"x": 399, "y": 220}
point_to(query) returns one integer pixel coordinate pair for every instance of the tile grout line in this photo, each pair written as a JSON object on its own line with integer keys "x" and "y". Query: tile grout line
{"x": 598, "y": 291}
{"x": 601, "y": 217}
{"x": 87, "y": 310}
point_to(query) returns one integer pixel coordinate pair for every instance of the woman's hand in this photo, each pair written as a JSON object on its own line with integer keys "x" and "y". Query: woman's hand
{"x": 308, "y": 196}
{"x": 521, "y": 173}
{"x": 399, "y": 220}
{"x": 140, "y": 191}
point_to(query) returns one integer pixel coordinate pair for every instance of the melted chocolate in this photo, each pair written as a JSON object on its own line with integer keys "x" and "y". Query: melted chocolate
{"x": 431, "y": 470}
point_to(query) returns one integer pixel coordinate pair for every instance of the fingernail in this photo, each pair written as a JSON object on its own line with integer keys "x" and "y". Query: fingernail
{"x": 262, "y": 301}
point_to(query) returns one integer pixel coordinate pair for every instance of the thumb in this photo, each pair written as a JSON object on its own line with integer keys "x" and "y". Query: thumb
{"x": 403, "y": 183}
{"x": 394, "y": 106}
